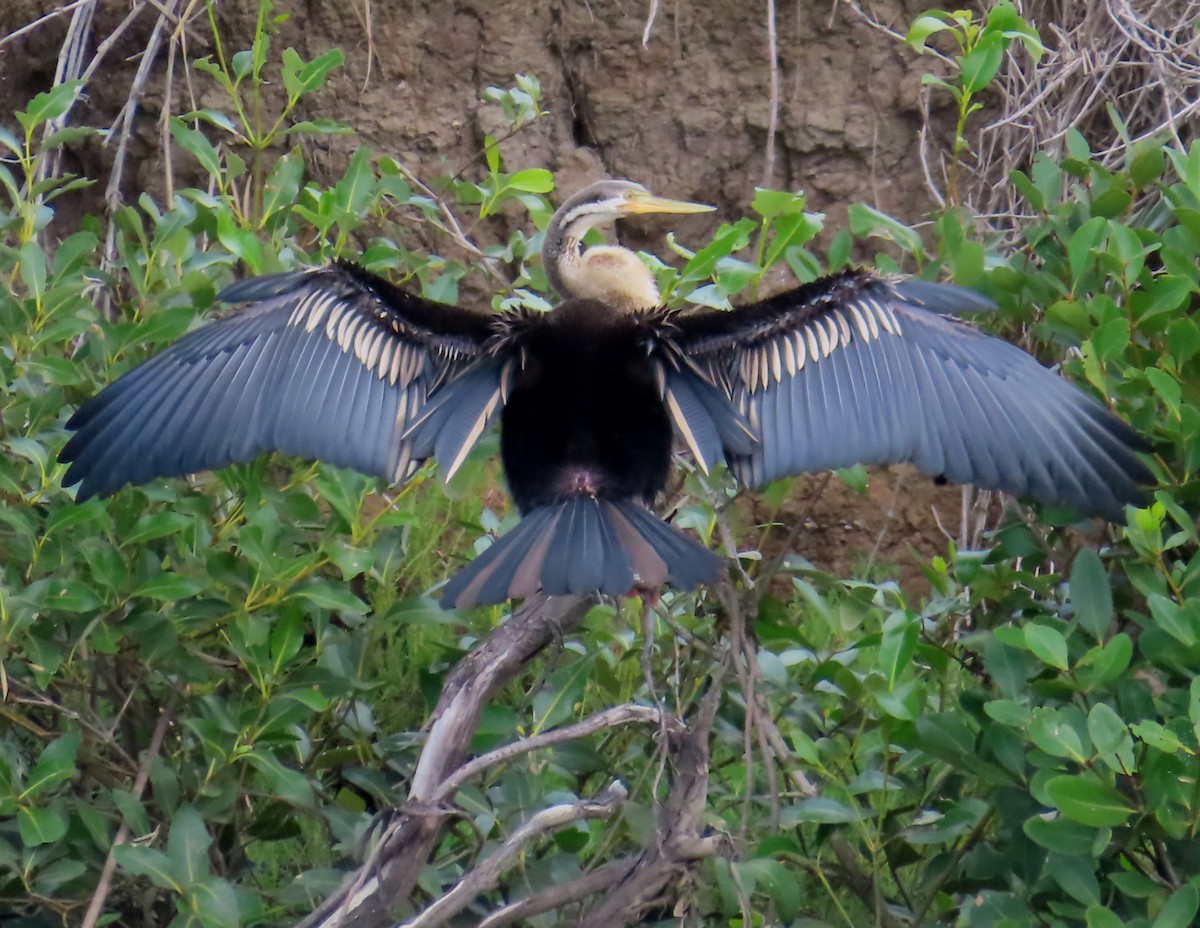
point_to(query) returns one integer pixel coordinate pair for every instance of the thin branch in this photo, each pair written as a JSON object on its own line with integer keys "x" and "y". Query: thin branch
{"x": 651, "y": 15}
{"x": 773, "y": 112}
{"x": 561, "y": 895}
{"x": 609, "y": 718}
{"x": 488, "y": 873}
{"x": 96, "y": 906}
{"x": 70, "y": 61}
{"x": 53, "y": 14}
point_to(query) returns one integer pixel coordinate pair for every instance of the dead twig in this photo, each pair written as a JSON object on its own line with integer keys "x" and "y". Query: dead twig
{"x": 96, "y": 906}
{"x": 609, "y": 718}
{"x": 41, "y": 20}
{"x": 558, "y": 896}
{"x": 488, "y": 873}
{"x": 773, "y": 110}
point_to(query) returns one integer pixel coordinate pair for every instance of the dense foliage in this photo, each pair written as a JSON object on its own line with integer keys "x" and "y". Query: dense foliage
{"x": 227, "y": 676}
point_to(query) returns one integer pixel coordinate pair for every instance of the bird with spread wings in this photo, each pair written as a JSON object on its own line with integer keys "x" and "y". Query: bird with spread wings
{"x": 337, "y": 364}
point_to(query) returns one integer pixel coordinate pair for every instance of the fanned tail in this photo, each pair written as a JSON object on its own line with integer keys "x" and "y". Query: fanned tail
{"x": 583, "y": 545}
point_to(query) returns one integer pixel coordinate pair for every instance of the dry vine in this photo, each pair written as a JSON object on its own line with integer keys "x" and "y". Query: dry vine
{"x": 1136, "y": 59}
{"x": 1141, "y": 58}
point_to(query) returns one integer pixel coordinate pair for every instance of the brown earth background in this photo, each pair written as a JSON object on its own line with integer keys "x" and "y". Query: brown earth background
{"x": 687, "y": 113}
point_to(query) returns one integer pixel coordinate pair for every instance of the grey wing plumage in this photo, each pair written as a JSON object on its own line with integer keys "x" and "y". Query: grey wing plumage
{"x": 332, "y": 364}
{"x": 857, "y": 369}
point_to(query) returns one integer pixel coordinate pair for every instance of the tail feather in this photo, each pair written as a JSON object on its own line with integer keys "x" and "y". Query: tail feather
{"x": 583, "y": 545}
{"x": 685, "y": 568}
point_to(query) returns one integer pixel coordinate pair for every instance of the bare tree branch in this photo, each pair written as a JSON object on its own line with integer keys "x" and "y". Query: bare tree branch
{"x": 367, "y": 897}
{"x": 96, "y": 906}
{"x": 609, "y": 718}
{"x": 487, "y": 874}
{"x": 564, "y": 894}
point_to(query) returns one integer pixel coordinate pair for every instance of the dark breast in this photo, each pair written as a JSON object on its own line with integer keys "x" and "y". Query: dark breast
{"x": 585, "y": 416}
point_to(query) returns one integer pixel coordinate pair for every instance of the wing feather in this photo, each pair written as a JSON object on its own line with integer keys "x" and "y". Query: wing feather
{"x": 857, "y": 369}
{"x": 333, "y": 364}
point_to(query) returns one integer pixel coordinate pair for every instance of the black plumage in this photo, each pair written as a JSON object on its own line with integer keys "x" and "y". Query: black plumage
{"x": 338, "y": 365}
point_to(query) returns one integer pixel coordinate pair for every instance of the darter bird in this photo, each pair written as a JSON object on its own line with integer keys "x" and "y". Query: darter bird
{"x": 339, "y": 365}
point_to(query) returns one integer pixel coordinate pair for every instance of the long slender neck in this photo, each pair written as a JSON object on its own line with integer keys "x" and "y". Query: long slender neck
{"x": 558, "y": 249}
{"x": 607, "y": 273}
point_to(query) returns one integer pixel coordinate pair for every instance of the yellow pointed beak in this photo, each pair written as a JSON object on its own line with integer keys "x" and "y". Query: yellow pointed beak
{"x": 638, "y": 203}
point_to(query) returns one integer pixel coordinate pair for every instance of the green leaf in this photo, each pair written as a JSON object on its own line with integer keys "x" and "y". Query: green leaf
{"x": 353, "y": 191}
{"x": 979, "y": 66}
{"x": 156, "y": 525}
{"x": 1091, "y": 594}
{"x": 41, "y": 825}
{"x": 84, "y": 518}
{"x": 1060, "y": 835}
{"x": 1008, "y": 712}
{"x": 901, "y": 631}
{"x": 1082, "y": 243}
{"x": 300, "y": 78}
{"x": 332, "y": 596}
{"x": 194, "y": 142}
{"x": 164, "y": 325}
{"x": 1179, "y": 911}
{"x": 1100, "y": 917}
{"x": 1076, "y": 875}
{"x": 287, "y": 637}
{"x": 772, "y": 878}
{"x": 169, "y": 588}
{"x": 821, "y": 810}
{"x": 187, "y": 845}
{"x": 289, "y": 785}
{"x": 55, "y": 765}
{"x": 1052, "y": 732}
{"x": 727, "y": 240}
{"x": 49, "y": 105}
{"x": 868, "y": 221}
{"x": 242, "y": 63}
{"x": 1009, "y": 667}
{"x": 319, "y": 126}
{"x": 1148, "y": 164}
{"x": 1088, "y": 800}
{"x": 33, "y": 269}
{"x": 1157, "y": 736}
{"x": 216, "y": 902}
{"x": 1106, "y": 729}
{"x": 9, "y": 141}
{"x": 791, "y": 231}
{"x": 926, "y": 25}
{"x": 1047, "y": 645}
{"x": 532, "y": 180}
{"x": 1103, "y": 664}
{"x": 1180, "y": 622}
{"x": 132, "y": 811}
{"x": 283, "y": 183}
{"x": 140, "y": 860}
{"x": 241, "y": 242}
{"x": 772, "y": 203}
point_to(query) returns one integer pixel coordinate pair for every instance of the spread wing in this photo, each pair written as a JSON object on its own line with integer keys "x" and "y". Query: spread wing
{"x": 857, "y": 369}
{"x": 333, "y": 364}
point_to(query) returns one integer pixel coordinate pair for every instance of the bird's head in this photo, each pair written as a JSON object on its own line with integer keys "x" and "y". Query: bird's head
{"x": 608, "y": 273}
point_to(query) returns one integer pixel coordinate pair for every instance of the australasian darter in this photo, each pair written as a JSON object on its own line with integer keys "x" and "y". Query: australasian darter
{"x": 339, "y": 365}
